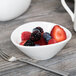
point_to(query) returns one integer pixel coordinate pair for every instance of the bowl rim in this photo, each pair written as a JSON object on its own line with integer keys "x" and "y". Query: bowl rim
{"x": 42, "y": 45}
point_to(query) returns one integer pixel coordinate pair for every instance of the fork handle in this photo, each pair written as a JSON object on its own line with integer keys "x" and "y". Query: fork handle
{"x": 58, "y": 72}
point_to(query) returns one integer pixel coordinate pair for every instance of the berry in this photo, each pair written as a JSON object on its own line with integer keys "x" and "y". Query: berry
{"x": 46, "y": 36}
{"x": 41, "y": 41}
{"x": 29, "y": 43}
{"x": 58, "y": 33}
{"x": 38, "y": 28}
{"x": 52, "y": 41}
{"x": 23, "y": 42}
{"x": 25, "y": 35}
{"x": 35, "y": 36}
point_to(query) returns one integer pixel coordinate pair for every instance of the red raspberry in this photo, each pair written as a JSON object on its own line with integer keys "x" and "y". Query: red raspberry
{"x": 52, "y": 41}
{"x": 25, "y": 35}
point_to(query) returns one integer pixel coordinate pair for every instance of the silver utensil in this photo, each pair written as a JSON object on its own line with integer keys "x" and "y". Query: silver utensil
{"x": 12, "y": 59}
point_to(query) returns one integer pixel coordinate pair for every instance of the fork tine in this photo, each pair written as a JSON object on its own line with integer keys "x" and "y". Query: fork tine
{"x": 4, "y": 54}
{"x": 1, "y": 55}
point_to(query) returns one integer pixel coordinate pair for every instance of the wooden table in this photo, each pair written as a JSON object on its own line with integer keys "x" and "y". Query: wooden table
{"x": 40, "y": 10}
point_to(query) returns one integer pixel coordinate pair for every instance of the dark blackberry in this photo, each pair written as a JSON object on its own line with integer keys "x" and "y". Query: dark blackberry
{"x": 46, "y": 36}
{"x": 29, "y": 43}
{"x": 38, "y": 28}
{"x": 35, "y": 36}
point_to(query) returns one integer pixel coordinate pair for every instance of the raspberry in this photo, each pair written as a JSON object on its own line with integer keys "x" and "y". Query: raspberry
{"x": 52, "y": 41}
{"x": 29, "y": 43}
{"x": 46, "y": 36}
{"x": 38, "y": 28}
{"x": 25, "y": 35}
{"x": 35, "y": 36}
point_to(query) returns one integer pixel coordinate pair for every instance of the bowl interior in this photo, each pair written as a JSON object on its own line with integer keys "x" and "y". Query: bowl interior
{"x": 47, "y": 27}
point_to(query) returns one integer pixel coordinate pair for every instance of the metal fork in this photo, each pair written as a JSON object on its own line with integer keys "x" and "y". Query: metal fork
{"x": 12, "y": 59}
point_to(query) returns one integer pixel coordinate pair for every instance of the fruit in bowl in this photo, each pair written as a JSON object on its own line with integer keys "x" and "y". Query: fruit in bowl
{"x": 39, "y": 37}
{"x": 40, "y": 40}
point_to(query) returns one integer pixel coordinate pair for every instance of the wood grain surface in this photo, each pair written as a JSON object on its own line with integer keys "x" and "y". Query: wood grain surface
{"x": 40, "y": 10}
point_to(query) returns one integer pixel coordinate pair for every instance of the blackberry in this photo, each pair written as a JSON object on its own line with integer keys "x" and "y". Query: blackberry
{"x": 46, "y": 36}
{"x": 38, "y": 28}
{"x": 35, "y": 36}
{"x": 29, "y": 43}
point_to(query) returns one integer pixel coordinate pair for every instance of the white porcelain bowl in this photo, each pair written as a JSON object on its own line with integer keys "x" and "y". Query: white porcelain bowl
{"x": 39, "y": 52}
{"x": 10, "y": 9}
